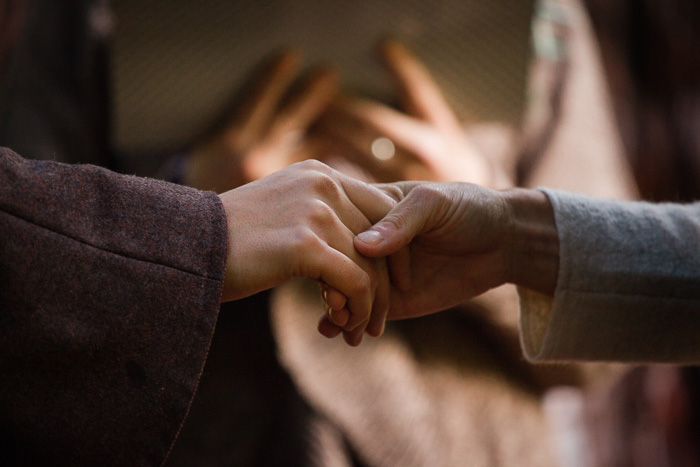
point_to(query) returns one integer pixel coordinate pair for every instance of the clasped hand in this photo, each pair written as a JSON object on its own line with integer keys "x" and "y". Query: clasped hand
{"x": 383, "y": 251}
{"x": 444, "y": 243}
{"x": 301, "y": 222}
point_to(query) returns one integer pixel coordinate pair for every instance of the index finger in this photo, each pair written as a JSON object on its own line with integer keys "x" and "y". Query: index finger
{"x": 305, "y": 107}
{"x": 371, "y": 201}
{"x": 269, "y": 86}
{"x": 422, "y": 95}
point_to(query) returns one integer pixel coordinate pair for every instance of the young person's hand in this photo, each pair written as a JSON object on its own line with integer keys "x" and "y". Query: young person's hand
{"x": 301, "y": 222}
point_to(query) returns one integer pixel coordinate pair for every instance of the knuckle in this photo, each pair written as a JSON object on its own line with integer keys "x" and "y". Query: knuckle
{"x": 394, "y": 192}
{"x": 306, "y": 239}
{"x": 311, "y": 165}
{"x": 320, "y": 214}
{"x": 426, "y": 193}
{"x": 396, "y": 220}
{"x": 317, "y": 165}
{"x": 326, "y": 186}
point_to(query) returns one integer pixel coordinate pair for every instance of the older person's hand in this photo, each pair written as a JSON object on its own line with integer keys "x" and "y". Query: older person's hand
{"x": 301, "y": 222}
{"x": 447, "y": 243}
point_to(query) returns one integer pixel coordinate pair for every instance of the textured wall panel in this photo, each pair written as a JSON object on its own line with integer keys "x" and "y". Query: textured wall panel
{"x": 176, "y": 64}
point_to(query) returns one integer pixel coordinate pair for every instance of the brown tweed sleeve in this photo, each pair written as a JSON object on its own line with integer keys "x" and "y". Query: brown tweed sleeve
{"x": 109, "y": 293}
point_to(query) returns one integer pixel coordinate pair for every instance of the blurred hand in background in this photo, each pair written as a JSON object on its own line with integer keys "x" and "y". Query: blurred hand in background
{"x": 424, "y": 142}
{"x": 266, "y": 130}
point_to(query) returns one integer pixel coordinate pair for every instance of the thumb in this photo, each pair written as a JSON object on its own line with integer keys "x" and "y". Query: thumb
{"x": 406, "y": 219}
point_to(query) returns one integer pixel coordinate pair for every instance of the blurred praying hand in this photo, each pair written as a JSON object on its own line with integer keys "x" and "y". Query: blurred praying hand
{"x": 277, "y": 124}
{"x": 265, "y": 132}
{"x": 427, "y": 142}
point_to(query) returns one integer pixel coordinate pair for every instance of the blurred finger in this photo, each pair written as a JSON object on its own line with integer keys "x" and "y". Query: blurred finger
{"x": 294, "y": 148}
{"x": 285, "y": 142}
{"x": 354, "y": 337}
{"x": 338, "y": 121}
{"x": 380, "y": 120}
{"x": 305, "y": 107}
{"x": 346, "y": 138}
{"x": 421, "y": 94}
{"x": 270, "y": 86}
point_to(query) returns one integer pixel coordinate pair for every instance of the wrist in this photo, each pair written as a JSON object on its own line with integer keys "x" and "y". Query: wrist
{"x": 532, "y": 246}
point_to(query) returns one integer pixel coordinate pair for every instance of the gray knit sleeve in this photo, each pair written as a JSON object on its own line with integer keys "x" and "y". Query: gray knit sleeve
{"x": 628, "y": 286}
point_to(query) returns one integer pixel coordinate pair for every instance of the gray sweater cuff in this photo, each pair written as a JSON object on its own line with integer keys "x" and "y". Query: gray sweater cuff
{"x": 628, "y": 286}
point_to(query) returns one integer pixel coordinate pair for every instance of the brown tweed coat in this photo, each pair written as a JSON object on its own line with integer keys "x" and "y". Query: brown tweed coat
{"x": 109, "y": 294}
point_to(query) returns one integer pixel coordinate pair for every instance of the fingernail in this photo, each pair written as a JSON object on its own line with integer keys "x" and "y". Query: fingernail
{"x": 370, "y": 237}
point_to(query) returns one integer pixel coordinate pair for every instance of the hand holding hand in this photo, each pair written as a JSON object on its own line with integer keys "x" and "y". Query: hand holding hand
{"x": 301, "y": 222}
{"x": 450, "y": 242}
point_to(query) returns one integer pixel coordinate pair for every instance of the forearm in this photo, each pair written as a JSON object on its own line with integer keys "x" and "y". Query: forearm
{"x": 532, "y": 245}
